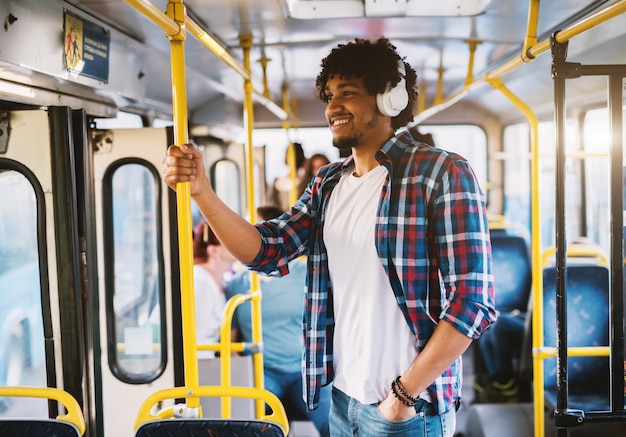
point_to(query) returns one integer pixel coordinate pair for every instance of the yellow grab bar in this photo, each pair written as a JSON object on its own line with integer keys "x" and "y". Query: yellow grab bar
{"x": 277, "y": 415}
{"x": 74, "y": 413}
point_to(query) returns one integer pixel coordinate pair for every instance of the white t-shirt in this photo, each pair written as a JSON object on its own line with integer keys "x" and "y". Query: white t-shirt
{"x": 372, "y": 341}
{"x": 209, "y": 302}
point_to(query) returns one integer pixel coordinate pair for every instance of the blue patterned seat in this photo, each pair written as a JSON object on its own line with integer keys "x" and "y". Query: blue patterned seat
{"x": 209, "y": 427}
{"x": 511, "y": 270}
{"x": 512, "y": 277}
{"x": 587, "y": 325}
{"x": 37, "y": 428}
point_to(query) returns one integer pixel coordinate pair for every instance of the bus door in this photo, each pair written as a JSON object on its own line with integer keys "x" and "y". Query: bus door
{"x": 43, "y": 310}
{"x": 134, "y": 270}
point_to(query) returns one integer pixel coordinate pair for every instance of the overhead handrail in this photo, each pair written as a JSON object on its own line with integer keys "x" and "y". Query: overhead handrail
{"x": 173, "y": 29}
{"x": 74, "y": 413}
{"x": 530, "y": 52}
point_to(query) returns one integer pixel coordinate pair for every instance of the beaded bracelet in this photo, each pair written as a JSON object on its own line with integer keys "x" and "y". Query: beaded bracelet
{"x": 395, "y": 384}
{"x": 408, "y": 396}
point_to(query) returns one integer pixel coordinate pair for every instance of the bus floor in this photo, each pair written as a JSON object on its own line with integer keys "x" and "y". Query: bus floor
{"x": 514, "y": 420}
{"x": 302, "y": 429}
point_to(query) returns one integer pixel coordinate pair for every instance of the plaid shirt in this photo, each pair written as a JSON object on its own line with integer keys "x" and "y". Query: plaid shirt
{"x": 431, "y": 237}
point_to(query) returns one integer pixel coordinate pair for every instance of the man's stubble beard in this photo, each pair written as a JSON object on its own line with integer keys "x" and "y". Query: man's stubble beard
{"x": 345, "y": 144}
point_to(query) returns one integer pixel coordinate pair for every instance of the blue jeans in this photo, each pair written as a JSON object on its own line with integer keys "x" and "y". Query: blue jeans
{"x": 288, "y": 388}
{"x": 349, "y": 417}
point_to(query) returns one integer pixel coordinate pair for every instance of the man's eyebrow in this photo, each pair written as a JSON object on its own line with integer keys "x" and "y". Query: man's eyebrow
{"x": 345, "y": 84}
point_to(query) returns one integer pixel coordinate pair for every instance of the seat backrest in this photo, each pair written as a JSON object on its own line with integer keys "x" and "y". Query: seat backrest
{"x": 71, "y": 424}
{"x": 209, "y": 427}
{"x": 511, "y": 271}
{"x": 176, "y": 421}
{"x": 241, "y": 375}
{"x": 587, "y": 292}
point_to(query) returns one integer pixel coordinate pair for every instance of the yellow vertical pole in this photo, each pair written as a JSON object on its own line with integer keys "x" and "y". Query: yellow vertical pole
{"x": 537, "y": 265}
{"x": 531, "y": 30}
{"x": 257, "y": 338}
{"x": 176, "y": 11}
{"x": 439, "y": 95}
{"x": 421, "y": 96}
{"x": 291, "y": 155}
{"x": 293, "y": 172}
{"x": 472, "y": 44}
{"x": 266, "y": 89}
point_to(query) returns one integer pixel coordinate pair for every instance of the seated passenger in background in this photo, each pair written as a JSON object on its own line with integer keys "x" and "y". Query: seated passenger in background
{"x": 282, "y": 310}
{"x": 211, "y": 263}
{"x": 500, "y": 349}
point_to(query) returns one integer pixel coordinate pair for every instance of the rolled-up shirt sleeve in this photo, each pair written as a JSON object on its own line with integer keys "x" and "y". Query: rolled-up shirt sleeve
{"x": 464, "y": 252}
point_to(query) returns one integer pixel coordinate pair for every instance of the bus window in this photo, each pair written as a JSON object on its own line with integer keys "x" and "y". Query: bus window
{"x": 597, "y": 143}
{"x": 516, "y": 172}
{"x": 22, "y": 353}
{"x": 547, "y": 182}
{"x": 134, "y": 272}
{"x": 517, "y": 186}
{"x": 313, "y": 140}
{"x": 225, "y": 180}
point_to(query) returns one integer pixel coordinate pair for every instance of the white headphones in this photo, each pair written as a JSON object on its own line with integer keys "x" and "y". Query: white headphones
{"x": 394, "y": 100}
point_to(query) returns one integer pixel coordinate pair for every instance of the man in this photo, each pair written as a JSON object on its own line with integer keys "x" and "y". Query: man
{"x": 399, "y": 261}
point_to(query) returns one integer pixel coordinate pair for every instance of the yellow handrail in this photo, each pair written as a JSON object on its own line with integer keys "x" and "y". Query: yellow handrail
{"x": 277, "y": 415}
{"x": 175, "y": 22}
{"x": 578, "y": 351}
{"x": 173, "y": 28}
{"x": 530, "y": 53}
{"x": 577, "y": 250}
{"x": 74, "y": 413}
{"x": 537, "y": 278}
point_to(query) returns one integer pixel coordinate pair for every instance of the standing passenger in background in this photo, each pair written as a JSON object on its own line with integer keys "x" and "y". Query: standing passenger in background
{"x": 313, "y": 164}
{"x": 282, "y": 306}
{"x": 280, "y": 189}
{"x": 211, "y": 263}
{"x": 399, "y": 276}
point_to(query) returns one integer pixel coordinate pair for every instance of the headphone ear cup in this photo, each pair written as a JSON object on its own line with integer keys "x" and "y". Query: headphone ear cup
{"x": 393, "y": 101}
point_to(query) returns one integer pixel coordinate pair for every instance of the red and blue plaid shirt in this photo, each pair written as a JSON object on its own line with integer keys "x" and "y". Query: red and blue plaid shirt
{"x": 431, "y": 238}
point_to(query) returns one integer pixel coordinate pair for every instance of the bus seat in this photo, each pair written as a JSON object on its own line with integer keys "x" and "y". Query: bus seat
{"x": 511, "y": 271}
{"x": 209, "y": 427}
{"x": 71, "y": 424}
{"x": 587, "y": 325}
{"x": 35, "y": 427}
{"x": 149, "y": 424}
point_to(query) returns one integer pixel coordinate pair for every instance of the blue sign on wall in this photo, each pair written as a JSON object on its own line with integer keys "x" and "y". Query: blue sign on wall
{"x": 86, "y": 48}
